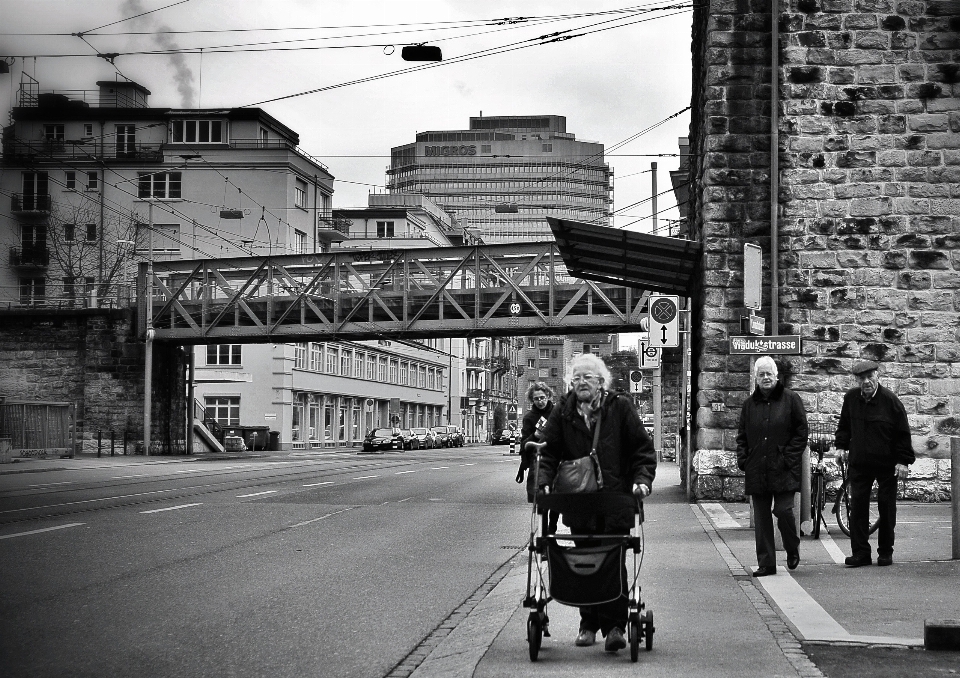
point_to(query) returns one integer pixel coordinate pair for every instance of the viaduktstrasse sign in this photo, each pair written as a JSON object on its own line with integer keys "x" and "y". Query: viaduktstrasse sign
{"x": 780, "y": 345}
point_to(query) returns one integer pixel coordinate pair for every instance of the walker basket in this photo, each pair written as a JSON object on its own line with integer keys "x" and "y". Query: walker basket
{"x": 586, "y": 575}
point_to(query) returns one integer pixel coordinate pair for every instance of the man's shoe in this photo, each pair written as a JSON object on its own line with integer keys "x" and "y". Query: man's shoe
{"x": 615, "y": 640}
{"x": 883, "y": 561}
{"x": 586, "y": 638}
{"x": 765, "y": 571}
{"x": 793, "y": 560}
{"x": 853, "y": 561}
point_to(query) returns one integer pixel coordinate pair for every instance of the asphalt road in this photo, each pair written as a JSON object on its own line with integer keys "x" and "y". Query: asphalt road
{"x": 335, "y": 565}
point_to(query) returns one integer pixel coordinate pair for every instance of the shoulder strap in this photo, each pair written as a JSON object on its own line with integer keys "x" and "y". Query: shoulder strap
{"x": 593, "y": 450}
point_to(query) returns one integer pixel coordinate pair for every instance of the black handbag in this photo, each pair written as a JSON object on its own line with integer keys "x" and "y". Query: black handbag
{"x": 583, "y": 474}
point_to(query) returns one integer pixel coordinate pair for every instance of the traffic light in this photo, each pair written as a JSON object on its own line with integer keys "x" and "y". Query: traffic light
{"x": 421, "y": 53}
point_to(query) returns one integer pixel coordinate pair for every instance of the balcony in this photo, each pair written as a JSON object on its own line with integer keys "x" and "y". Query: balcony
{"x": 500, "y": 364}
{"x": 477, "y": 363}
{"x": 34, "y": 256}
{"x": 30, "y": 203}
{"x": 478, "y": 394}
{"x": 87, "y": 149}
{"x": 138, "y": 152}
{"x": 332, "y": 230}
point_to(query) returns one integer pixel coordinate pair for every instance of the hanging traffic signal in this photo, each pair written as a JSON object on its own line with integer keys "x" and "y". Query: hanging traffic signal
{"x": 421, "y": 53}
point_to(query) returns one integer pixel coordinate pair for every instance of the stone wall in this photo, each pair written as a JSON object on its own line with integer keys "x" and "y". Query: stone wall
{"x": 92, "y": 358}
{"x": 869, "y": 211}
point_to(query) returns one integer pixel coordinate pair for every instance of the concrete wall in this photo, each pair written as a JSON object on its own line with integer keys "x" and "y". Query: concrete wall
{"x": 869, "y": 247}
{"x": 93, "y": 359}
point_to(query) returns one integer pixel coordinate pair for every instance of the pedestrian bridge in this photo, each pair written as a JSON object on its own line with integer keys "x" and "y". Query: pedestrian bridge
{"x": 489, "y": 290}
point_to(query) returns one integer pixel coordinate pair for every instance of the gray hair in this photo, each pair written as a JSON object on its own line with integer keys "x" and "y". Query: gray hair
{"x": 594, "y": 364}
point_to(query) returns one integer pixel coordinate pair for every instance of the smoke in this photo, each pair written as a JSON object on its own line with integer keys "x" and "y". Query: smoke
{"x": 183, "y": 76}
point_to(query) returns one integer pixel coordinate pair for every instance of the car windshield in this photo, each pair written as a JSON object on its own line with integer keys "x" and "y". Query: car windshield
{"x": 383, "y": 432}
{"x": 419, "y": 431}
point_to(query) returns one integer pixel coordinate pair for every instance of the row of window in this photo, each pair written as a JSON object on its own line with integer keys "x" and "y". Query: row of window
{"x": 182, "y": 131}
{"x": 535, "y": 183}
{"x": 547, "y": 169}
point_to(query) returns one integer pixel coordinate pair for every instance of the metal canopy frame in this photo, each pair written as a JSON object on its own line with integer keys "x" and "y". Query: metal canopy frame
{"x": 638, "y": 260}
{"x": 515, "y": 289}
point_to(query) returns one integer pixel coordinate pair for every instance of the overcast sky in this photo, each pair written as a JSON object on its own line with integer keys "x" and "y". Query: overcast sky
{"x": 611, "y": 84}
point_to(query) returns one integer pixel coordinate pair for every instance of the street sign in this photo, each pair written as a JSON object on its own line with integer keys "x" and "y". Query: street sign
{"x": 779, "y": 345}
{"x": 752, "y": 274}
{"x": 649, "y": 355}
{"x": 636, "y": 381}
{"x": 511, "y": 412}
{"x": 514, "y": 309}
{"x": 757, "y": 324}
{"x": 664, "y": 315}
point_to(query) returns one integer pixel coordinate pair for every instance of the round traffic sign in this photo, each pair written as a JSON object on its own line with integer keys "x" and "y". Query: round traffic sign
{"x": 514, "y": 309}
{"x": 636, "y": 376}
{"x": 663, "y": 310}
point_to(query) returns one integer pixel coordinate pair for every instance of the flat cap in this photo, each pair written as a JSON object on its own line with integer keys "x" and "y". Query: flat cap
{"x": 864, "y": 366}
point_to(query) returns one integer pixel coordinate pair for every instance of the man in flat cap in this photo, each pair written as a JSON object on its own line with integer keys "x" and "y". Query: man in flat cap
{"x": 873, "y": 428}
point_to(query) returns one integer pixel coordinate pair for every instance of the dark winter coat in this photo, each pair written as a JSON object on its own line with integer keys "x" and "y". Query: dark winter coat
{"x": 876, "y": 432}
{"x": 528, "y": 429}
{"x": 625, "y": 451}
{"x": 771, "y": 441}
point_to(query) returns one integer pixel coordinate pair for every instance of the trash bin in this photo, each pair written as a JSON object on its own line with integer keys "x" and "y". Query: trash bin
{"x": 274, "y": 441}
{"x": 256, "y": 437}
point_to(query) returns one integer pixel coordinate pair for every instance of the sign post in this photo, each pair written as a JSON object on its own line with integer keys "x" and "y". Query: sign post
{"x": 664, "y": 316}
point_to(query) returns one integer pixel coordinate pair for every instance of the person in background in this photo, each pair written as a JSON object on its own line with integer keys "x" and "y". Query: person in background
{"x": 628, "y": 464}
{"x": 874, "y": 431}
{"x": 540, "y": 397}
{"x": 771, "y": 440}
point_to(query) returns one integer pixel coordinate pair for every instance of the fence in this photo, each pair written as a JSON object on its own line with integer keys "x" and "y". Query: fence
{"x": 38, "y": 429}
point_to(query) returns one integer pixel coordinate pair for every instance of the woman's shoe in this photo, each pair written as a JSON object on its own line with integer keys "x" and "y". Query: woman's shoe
{"x": 586, "y": 638}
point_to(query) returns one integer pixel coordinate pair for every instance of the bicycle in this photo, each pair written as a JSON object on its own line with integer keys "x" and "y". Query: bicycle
{"x": 818, "y": 487}
{"x": 841, "y": 506}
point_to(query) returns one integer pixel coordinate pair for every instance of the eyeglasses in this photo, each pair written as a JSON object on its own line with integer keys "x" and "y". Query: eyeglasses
{"x": 580, "y": 378}
{"x": 539, "y": 399}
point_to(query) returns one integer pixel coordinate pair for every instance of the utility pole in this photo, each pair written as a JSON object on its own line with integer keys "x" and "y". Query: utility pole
{"x": 148, "y": 356}
{"x": 653, "y": 174}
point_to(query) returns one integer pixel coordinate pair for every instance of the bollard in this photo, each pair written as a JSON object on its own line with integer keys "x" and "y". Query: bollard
{"x": 955, "y": 493}
{"x": 99, "y": 442}
{"x": 513, "y": 445}
{"x": 112, "y": 442}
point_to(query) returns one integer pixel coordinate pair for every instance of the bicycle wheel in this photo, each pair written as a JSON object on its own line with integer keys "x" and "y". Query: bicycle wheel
{"x": 817, "y": 500}
{"x": 842, "y": 510}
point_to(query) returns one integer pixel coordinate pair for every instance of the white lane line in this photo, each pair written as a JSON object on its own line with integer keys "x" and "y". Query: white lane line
{"x": 832, "y": 549}
{"x": 307, "y": 522}
{"x": 365, "y": 477}
{"x": 256, "y": 494}
{"x": 437, "y": 468}
{"x": 65, "y": 482}
{"x": 136, "y": 475}
{"x": 326, "y": 482}
{"x": 400, "y": 473}
{"x": 173, "y": 508}
{"x": 468, "y": 464}
{"x": 45, "y": 529}
{"x": 719, "y": 516}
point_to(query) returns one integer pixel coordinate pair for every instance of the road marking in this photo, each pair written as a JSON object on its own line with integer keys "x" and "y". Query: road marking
{"x": 832, "y": 549}
{"x": 65, "y": 482}
{"x": 468, "y": 464}
{"x": 365, "y": 477}
{"x": 721, "y": 519}
{"x": 403, "y": 500}
{"x": 326, "y": 482}
{"x": 173, "y": 508}
{"x": 45, "y": 529}
{"x": 437, "y": 468}
{"x": 400, "y": 473}
{"x": 256, "y": 494}
{"x": 307, "y": 522}
{"x": 137, "y": 475}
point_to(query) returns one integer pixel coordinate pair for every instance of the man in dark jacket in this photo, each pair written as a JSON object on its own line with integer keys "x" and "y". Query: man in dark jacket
{"x": 628, "y": 464}
{"x": 873, "y": 427}
{"x": 770, "y": 443}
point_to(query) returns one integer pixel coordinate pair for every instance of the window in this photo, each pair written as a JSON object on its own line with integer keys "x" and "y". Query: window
{"x": 554, "y": 372}
{"x": 77, "y": 287}
{"x": 263, "y": 136}
{"x": 486, "y": 148}
{"x": 299, "y": 356}
{"x": 126, "y": 141}
{"x": 223, "y": 354}
{"x": 394, "y": 370}
{"x": 197, "y": 131}
{"x": 70, "y": 181}
{"x": 32, "y": 290}
{"x": 34, "y": 184}
{"x": 358, "y": 364}
{"x": 546, "y": 148}
{"x": 88, "y": 129}
{"x": 333, "y": 357}
{"x": 544, "y": 372}
{"x": 531, "y": 342}
{"x": 384, "y": 229}
{"x": 554, "y": 353}
{"x": 532, "y": 362}
{"x": 300, "y": 193}
{"x": 33, "y": 235}
{"x": 345, "y": 363}
{"x": 93, "y": 181}
{"x": 225, "y": 410}
{"x": 90, "y": 232}
{"x": 371, "y": 366}
{"x": 382, "y": 371}
{"x": 316, "y": 357}
{"x": 163, "y": 185}
{"x": 544, "y": 354}
{"x": 299, "y": 242}
{"x": 69, "y": 232}
{"x": 592, "y": 348}
{"x": 53, "y": 132}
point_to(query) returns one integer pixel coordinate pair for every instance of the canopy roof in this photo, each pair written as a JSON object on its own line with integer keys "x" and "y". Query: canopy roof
{"x": 650, "y": 262}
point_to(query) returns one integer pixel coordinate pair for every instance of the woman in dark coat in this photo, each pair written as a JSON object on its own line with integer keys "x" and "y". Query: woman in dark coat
{"x": 540, "y": 397}
{"x": 770, "y": 443}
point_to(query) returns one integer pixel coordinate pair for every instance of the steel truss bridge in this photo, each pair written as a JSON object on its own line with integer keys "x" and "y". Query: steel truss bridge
{"x": 486, "y": 290}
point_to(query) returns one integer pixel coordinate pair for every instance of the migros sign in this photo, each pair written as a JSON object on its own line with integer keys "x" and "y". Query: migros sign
{"x": 449, "y": 150}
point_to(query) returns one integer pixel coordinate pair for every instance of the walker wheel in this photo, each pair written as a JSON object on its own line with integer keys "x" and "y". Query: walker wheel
{"x": 647, "y": 623}
{"x": 633, "y": 631}
{"x": 534, "y": 634}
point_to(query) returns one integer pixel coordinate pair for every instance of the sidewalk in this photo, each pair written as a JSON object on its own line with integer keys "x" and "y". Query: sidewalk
{"x": 714, "y": 620}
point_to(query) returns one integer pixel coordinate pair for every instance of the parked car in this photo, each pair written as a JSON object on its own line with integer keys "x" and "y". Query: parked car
{"x": 383, "y": 439}
{"x": 505, "y": 436}
{"x": 426, "y": 438}
{"x": 410, "y": 440}
{"x": 447, "y": 435}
